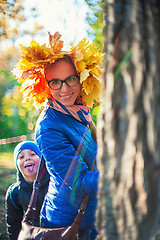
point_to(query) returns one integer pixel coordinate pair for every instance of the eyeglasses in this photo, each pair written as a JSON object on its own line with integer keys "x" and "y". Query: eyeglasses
{"x": 56, "y": 83}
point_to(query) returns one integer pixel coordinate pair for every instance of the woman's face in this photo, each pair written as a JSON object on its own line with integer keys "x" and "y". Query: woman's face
{"x": 28, "y": 163}
{"x": 62, "y": 70}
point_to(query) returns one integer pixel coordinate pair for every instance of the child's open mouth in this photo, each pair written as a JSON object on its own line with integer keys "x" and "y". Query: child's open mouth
{"x": 29, "y": 167}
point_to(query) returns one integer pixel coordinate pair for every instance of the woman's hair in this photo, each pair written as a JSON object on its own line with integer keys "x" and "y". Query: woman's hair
{"x": 66, "y": 58}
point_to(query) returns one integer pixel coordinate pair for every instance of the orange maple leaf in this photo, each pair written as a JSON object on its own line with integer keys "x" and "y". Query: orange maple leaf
{"x": 54, "y": 42}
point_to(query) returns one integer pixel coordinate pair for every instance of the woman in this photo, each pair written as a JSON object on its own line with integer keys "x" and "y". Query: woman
{"x": 26, "y": 158}
{"x": 61, "y": 128}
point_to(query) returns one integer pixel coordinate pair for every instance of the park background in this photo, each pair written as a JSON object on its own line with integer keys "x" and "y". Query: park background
{"x": 20, "y": 22}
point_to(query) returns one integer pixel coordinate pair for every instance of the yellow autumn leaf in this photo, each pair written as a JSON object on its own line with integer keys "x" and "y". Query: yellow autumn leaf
{"x": 86, "y": 87}
{"x": 97, "y": 92}
{"x": 92, "y": 85}
{"x": 86, "y": 54}
{"x": 95, "y": 71}
{"x": 83, "y": 75}
{"x": 81, "y": 66}
{"x": 24, "y": 65}
{"x": 88, "y": 99}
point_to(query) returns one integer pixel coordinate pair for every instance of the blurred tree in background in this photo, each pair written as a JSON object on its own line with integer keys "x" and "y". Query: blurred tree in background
{"x": 129, "y": 127}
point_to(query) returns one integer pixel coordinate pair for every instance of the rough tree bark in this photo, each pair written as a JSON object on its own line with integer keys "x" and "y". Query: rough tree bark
{"x": 129, "y": 123}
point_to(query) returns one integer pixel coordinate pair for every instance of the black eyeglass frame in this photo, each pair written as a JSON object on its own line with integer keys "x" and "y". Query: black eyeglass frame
{"x": 62, "y": 81}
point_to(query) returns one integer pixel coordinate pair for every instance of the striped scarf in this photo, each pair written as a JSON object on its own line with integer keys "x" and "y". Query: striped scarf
{"x": 79, "y": 110}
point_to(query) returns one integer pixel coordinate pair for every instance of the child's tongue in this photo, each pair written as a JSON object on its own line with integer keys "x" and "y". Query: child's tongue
{"x": 30, "y": 168}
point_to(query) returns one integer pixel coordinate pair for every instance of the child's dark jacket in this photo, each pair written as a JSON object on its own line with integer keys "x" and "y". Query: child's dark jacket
{"x": 16, "y": 202}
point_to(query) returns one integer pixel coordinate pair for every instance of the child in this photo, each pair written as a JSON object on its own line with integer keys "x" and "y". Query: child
{"x": 26, "y": 157}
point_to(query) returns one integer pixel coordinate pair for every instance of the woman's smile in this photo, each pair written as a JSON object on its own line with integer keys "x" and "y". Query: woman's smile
{"x": 66, "y": 96}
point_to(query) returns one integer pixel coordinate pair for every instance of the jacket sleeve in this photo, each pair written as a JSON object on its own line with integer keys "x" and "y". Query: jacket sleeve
{"x": 14, "y": 216}
{"x": 88, "y": 182}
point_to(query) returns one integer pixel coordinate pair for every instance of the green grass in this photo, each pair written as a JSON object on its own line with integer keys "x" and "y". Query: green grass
{"x": 7, "y": 177}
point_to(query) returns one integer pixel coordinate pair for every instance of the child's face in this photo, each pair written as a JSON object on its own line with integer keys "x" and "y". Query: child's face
{"x": 28, "y": 163}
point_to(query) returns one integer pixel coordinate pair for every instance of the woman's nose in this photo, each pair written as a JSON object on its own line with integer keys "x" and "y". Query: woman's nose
{"x": 64, "y": 87}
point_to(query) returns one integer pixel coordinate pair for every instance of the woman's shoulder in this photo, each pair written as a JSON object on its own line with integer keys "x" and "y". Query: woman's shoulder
{"x": 49, "y": 115}
{"x": 51, "y": 118}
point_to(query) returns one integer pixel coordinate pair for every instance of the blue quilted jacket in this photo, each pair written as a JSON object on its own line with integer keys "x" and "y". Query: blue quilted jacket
{"x": 58, "y": 136}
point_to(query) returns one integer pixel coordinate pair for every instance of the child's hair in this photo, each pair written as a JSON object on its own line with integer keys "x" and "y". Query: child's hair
{"x": 25, "y": 145}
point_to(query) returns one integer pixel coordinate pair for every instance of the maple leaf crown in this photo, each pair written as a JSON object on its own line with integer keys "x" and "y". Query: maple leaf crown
{"x": 29, "y": 71}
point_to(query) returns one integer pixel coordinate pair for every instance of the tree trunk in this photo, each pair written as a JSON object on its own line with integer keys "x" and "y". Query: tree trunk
{"x": 129, "y": 123}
